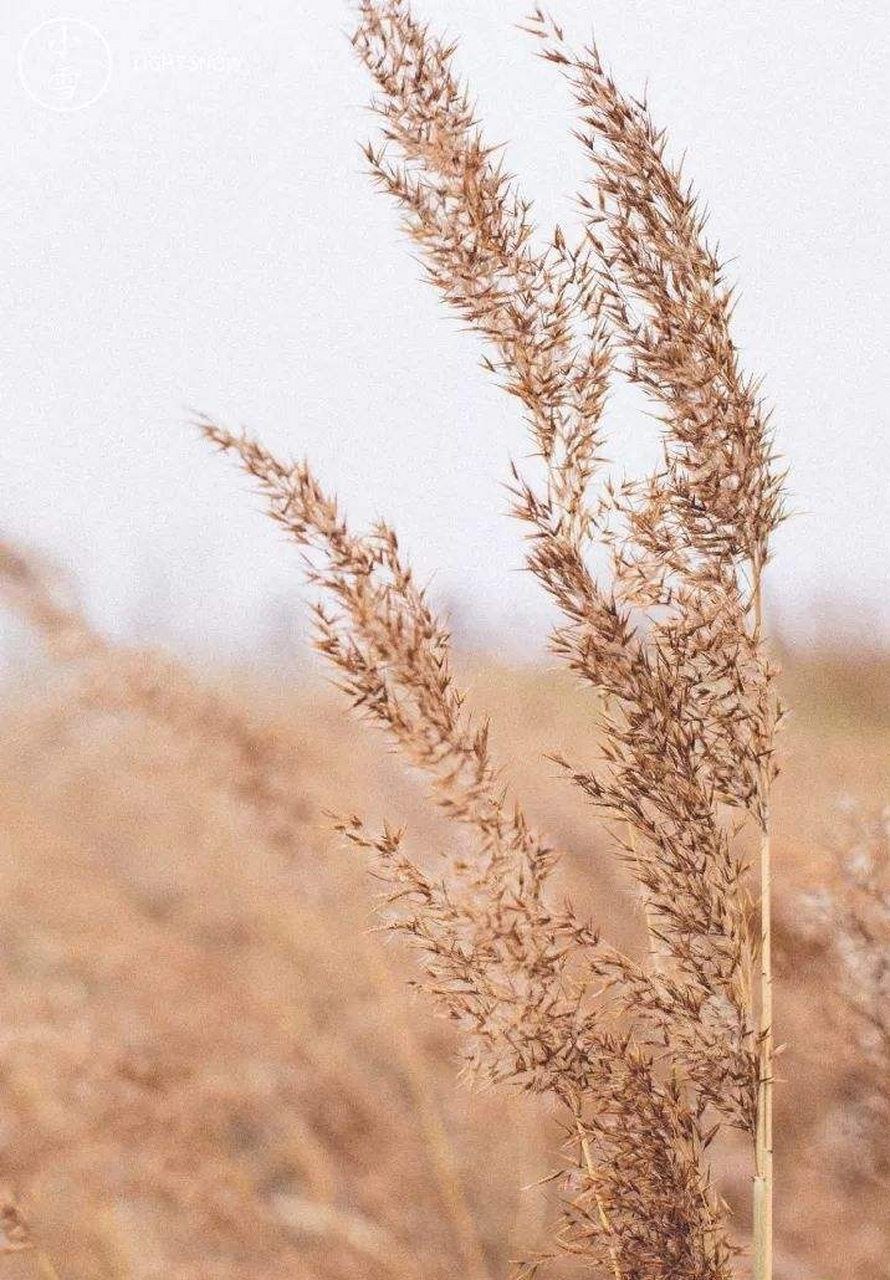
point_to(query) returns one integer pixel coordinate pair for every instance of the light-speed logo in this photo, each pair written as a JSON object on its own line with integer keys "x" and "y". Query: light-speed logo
{"x": 65, "y": 64}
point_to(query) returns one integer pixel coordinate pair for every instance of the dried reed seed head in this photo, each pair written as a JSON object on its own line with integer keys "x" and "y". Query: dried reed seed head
{"x": 673, "y": 645}
{"x": 531, "y": 987}
{"x": 720, "y": 494}
{"x": 695, "y": 714}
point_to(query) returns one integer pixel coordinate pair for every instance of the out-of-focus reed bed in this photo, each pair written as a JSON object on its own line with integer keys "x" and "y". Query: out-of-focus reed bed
{"x": 212, "y": 1065}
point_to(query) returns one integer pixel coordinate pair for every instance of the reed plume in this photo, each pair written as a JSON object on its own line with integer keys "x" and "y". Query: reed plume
{"x": 523, "y": 979}
{"x": 647, "y": 1058}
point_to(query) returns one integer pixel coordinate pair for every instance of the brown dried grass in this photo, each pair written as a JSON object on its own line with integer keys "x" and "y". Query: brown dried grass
{"x": 656, "y": 1059}
{"x": 648, "y": 1058}
{"x": 203, "y": 1072}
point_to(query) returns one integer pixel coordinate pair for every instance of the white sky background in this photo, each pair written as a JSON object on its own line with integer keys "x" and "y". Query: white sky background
{"x": 204, "y": 236}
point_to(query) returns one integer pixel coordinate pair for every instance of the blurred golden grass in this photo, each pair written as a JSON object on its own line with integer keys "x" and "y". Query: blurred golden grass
{"x": 212, "y": 1066}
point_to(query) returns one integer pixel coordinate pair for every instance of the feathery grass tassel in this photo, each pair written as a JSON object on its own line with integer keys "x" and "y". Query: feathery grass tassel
{"x": 647, "y": 1058}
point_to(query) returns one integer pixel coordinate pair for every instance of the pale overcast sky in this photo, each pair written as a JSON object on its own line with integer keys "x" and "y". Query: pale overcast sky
{"x": 202, "y": 235}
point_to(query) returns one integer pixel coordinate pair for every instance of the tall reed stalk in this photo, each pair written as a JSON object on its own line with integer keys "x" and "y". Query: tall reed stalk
{"x": 648, "y": 1057}
{"x": 763, "y": 1142}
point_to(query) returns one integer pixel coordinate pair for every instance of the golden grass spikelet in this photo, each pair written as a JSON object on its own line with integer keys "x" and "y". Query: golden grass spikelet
{"x": 649, "y": 1059}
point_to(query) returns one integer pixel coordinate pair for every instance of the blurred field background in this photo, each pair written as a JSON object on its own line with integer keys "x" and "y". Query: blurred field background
{"x": 212, "y": 1066}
